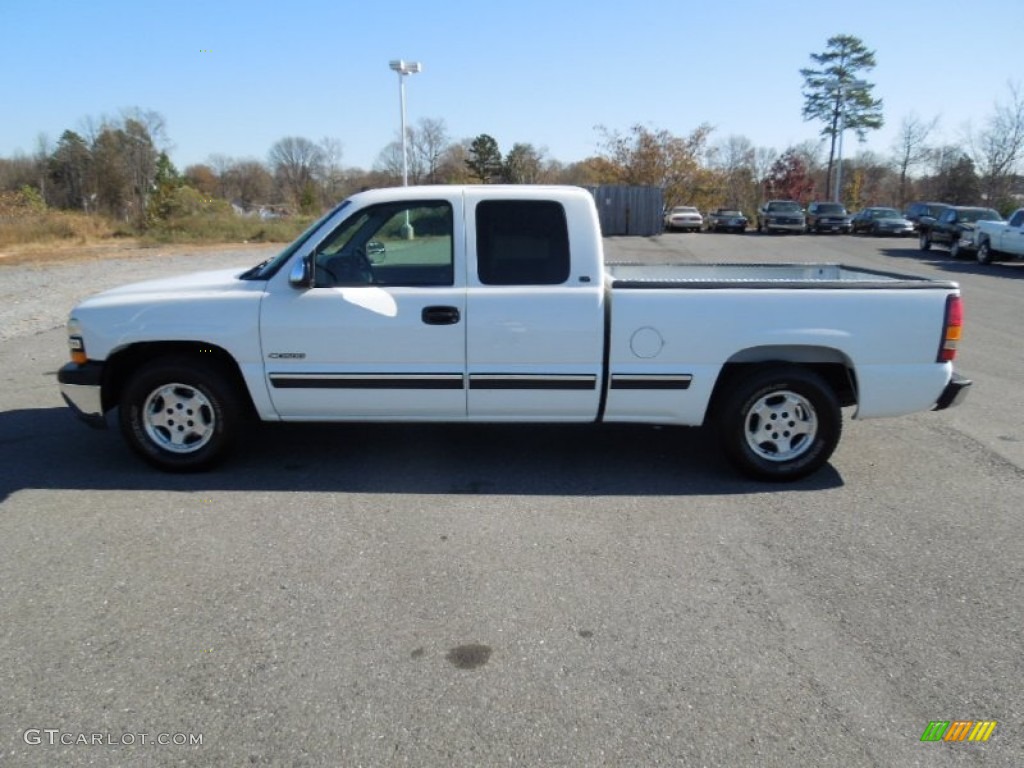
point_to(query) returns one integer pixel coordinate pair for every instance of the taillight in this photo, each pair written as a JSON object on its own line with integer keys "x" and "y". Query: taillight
{"x": 952, "y": 328}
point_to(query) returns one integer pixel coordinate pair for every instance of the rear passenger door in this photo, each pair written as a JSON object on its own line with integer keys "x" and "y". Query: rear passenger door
{"x": 535, "y": 330}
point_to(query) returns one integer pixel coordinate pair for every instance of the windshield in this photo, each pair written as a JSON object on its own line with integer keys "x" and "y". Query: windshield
{"x": 784, "y": 207}
{"x": 979, "y": 214}
{"x": 831, "y": 208}
{"x": 728, "y": 212}
{"x": 885, "y": 213}
{"x": 265, "y": 270}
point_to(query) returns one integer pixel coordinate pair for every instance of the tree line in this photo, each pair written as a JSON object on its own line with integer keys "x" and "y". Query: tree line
{"x": 121, "y": 167}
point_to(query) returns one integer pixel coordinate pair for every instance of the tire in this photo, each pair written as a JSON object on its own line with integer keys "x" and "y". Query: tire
{"x": 179, "y": 414}
{"x": 984, "y": 254}
{"x": 787, "y": 395}
{"x": 924, "y": 242}
{"x": 954, "y": 250}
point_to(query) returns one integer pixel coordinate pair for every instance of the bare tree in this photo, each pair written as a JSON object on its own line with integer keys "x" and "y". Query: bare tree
{"x": 427, "y": 145}
{"x": 297, "y": 163}
{"x": 764, "y": 159}
{"x": 332, "y": 175}
{"x": 389, "y": 163}
{"x": 911, "y": 149}
{"x": 999, "y": 148}
{"x": 246, "y": 181}
{"x": 452, "y": 168}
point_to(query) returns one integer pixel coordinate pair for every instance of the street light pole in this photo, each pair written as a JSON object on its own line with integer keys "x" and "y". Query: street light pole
{"x": 842, "y": 129}
{"x": 405, "y": 68}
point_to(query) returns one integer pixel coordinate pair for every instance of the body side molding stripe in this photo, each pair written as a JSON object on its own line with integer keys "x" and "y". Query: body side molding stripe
{"x": 651, "y": 381}
{"x": 532, "y": 381}
{"x": 366, "y": 381}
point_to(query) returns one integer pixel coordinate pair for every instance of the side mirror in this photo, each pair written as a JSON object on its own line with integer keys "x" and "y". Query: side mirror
{"x": 301, "y": 275}
{"x": 375, "y": 251}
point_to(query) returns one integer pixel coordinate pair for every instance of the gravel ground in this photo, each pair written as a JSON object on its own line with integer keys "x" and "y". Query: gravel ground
{"x": 37, "y": 296}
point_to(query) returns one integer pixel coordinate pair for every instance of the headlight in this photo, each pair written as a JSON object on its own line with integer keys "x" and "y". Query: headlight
{"x": 75, "y": 342}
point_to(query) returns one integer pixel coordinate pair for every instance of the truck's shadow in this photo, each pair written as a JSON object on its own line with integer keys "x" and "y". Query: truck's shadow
{"x": 47, "y": 448}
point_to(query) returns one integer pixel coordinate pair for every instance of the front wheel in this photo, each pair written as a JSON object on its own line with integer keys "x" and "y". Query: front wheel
{"x": 984, "y": 254}
{"x": 779, "y": 423}
{"x": 924, "y": 242}
{"x": 955, "y": 252}
{"x": 179, "y": 414}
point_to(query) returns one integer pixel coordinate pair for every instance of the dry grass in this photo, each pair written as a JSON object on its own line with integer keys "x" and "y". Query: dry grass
{"x": 49, "y": 227}
{"x": 226, "y": 228}
{"x": 31, "y": 232}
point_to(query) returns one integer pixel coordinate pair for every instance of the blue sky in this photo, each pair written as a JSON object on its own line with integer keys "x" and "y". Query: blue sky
{"x": 232, "y": 78}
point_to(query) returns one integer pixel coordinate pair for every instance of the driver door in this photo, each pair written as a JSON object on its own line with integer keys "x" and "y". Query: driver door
{"x": 381, "y": 334}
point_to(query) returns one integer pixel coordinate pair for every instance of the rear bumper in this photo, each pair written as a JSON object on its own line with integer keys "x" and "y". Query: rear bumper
{"x": 81, "y": 388}
{"x": 954, "y": 393}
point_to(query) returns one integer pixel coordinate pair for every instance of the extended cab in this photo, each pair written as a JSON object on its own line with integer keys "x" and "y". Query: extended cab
{"x": 493, "y": 304}
{"x": 995, "y": 240}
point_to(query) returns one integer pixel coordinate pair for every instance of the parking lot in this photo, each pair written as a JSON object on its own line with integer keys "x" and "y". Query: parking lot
{"x": 382, "y": 595}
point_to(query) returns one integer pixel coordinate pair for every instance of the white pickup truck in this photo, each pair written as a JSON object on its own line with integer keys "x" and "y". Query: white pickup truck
{"x": 494, "y": 304}
{"x": 994, "y": 240}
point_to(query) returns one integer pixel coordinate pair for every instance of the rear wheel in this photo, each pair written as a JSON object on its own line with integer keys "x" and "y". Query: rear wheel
{"x": 779, "y": 423}
{"x": 179, "y": 414}
{"x": 924, "y": 242}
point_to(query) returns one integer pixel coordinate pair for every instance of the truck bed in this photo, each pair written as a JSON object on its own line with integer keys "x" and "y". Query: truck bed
{"x": 653, "y": 276}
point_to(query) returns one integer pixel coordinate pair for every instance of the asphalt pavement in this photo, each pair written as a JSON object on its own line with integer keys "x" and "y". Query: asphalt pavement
{"x": 378, "y": 595}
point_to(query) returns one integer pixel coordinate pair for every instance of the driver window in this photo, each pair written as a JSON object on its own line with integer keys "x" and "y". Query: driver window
{"x": 401, "y": 244}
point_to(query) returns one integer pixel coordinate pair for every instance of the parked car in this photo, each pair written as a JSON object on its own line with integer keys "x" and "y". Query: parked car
{"x": 955, "y": 228}
{"x": 827, "y": 217}
{"x": 781, "y": 216}
{"x": 997, "y": 239}
{"x": 728, "y": 219}
{"x": 915, "y": 212}
{"x": 684, "y": 217}
{"x": 881, "y": 221}
{"x": 510, "y": 315}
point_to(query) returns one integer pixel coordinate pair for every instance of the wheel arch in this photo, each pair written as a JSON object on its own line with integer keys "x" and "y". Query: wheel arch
{"x": 832, "y": 365}
{"x": 120, "y": 366}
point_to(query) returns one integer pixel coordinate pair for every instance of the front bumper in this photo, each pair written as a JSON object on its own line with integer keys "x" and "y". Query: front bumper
{"x": 81, "y": 388}
{"x": 784, "y": 226}
{"x": 954, "y": 393}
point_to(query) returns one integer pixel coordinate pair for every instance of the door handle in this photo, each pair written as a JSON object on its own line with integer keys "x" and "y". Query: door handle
{"x": 440, "y": 315}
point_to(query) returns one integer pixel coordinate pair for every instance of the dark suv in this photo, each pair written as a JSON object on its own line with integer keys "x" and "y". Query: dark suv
{"x": 827, "y": 217}
{"x": 927, "y": 211}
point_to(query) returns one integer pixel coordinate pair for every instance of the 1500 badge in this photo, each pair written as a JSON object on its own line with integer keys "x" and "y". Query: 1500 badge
{"x": 286, "y": 355}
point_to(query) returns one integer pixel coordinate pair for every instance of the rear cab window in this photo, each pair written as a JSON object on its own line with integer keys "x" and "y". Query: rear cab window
{"x": 522, "y": 242}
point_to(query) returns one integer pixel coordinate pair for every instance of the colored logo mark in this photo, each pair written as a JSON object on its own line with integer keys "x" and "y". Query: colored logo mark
{"x": 958, "y": 730}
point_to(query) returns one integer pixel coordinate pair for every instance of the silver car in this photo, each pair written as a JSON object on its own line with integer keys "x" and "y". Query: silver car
{"x": 882, "y": 221}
